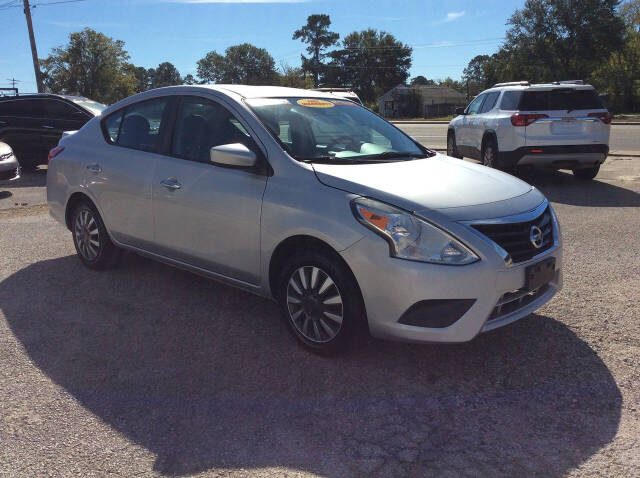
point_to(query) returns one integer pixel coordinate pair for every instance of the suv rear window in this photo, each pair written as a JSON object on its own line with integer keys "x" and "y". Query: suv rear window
{"x": 510, "y": 100}
{"x": 560, "y": 99}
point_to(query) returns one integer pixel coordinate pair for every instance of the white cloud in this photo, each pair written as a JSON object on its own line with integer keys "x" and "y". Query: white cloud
{"x": 451, "y": 16}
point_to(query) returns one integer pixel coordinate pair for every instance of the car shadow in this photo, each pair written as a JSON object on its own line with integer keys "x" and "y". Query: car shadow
{"x": 5, "y": 194}
{"x": 30, "y": 178}
{"x": 563, "y": 187}
{"x": 205, "y": 376}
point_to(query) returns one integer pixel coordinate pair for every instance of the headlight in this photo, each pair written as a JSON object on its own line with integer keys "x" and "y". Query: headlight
{"x": 410, "y": 237}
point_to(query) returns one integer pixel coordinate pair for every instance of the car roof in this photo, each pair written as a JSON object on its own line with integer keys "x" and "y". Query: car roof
{"x": 43, "y": 95}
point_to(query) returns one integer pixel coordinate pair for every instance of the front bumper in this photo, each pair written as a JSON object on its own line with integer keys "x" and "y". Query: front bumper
{"x": 391, "y": 287}
{"x": 556, "y": 157}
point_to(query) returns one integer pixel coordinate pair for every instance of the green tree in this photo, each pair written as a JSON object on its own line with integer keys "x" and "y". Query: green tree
{"x": 318, "y": 37}
{"x": 165, "y": 75}
{"x": 243, "y": 63}
{"x": 294, "y": 77}
{"x": 561, "y": 39}
{"x": 371, "y": 62}
{"x": 476, "y": 75}
{"x": 619, "y": 76}
{"x": 142, "y": 76}
{"x": 190, "y": 80}
{"x": 92, "y": 65}
{"x": 421, "y": 81}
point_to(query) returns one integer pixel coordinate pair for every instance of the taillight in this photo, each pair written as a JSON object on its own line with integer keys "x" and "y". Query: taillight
{"x": 604, "y": 117}
{"x": 525, "y": 119}
{"x": 55, "y": 152}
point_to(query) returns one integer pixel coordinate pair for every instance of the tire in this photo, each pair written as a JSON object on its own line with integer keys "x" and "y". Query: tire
{"x": 490, "y": 153}
{"x": 90, "y": 237}
{"x": 586, "y": 173}
{"x": 452, "y": 149}
{"x": 319, "y": 300}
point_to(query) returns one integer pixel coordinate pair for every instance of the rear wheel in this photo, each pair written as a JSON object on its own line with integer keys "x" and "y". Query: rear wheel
{"x": 93, "y": 245}
{"x": 586, "y": 173}
{"x": 452, "y": 149}
{"x": 320, "y": 301}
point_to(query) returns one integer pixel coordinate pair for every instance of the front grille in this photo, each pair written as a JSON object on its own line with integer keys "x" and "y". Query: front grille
{"x": 515, "y": 237}
{"x": 516, "y": 300}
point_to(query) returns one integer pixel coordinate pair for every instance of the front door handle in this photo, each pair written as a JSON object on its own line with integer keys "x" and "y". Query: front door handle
{"x": 49, "y": 127}
{"x": 171, "y": 183}
{"x": 94, "y": 168}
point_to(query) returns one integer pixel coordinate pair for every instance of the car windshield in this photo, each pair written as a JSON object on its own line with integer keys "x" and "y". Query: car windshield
{"x": 93, "y": 106}
{"x": 333, "y": 131}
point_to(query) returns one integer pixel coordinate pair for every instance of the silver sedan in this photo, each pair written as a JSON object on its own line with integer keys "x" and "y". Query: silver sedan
{"x": 313, "y": 201}
{"x": 9, "y": 166}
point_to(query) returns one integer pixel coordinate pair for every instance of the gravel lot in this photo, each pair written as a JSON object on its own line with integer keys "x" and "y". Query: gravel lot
{"x": 147, "y": 370}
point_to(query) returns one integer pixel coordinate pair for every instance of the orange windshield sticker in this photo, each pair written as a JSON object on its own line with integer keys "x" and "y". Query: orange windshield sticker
{"x": 375, "y": 219}
{"x": 312, "y": 103}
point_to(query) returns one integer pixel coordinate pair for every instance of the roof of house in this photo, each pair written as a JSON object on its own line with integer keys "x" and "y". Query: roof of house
{"x": 427, "y": 92}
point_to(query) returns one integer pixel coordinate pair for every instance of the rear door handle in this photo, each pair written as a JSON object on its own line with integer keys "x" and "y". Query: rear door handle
{"x": 94, "y": 168}
{"x": 171, "y": 183}
{"x": 49, "y": 127}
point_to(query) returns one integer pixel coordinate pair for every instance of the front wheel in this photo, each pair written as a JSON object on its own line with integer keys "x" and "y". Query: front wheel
{"x": 320, "y": 301}
{"x": 93, "y": 245}
{"x": 586, "y": 173}
{"x": 452, "y": 149}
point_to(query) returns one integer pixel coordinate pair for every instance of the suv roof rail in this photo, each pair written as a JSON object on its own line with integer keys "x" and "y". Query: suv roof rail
{"x": 348, "y": 90}
{"x": 571, "y": 82}
{"x": 512, "y": 83}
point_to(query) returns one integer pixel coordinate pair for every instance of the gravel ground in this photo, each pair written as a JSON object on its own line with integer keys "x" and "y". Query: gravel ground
{"x": 146, "y": 370}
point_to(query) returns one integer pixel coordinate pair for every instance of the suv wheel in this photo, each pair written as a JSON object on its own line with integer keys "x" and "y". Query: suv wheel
{"x": 489, "y": 153}
{"x": 319, "y": 300}
{"x": 586, "y": 173}
{"x": 452, "y": 149}
{"x": 93, "y": 245}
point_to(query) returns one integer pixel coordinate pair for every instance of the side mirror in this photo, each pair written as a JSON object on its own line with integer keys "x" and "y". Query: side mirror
{"x": 460, "y": 110}
{"x": 234, "y": 155}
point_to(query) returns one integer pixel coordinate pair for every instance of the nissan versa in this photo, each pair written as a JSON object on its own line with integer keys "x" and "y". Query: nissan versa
{"x": 314, "y": 201}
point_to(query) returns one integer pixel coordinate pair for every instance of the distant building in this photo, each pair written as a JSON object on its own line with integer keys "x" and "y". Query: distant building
{"x": 435, "y": 101}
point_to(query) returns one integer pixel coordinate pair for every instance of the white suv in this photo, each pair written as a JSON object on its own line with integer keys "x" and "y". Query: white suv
{"x": 561, "y": 125}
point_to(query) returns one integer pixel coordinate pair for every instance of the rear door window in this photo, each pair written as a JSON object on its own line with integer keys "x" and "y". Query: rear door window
{"x": 60, "y": 110}
{"x": 140, "y": 128}
{"x": 562, "y": 99}
{"x": 28, "y": 108}
{"x": 490, "y": 102}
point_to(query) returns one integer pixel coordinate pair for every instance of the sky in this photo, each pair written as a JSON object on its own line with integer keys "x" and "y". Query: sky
{"x": 444, "y": 35}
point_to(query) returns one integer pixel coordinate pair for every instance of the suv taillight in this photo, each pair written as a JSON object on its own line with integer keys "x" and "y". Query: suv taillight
{"x": 604, "y": 117}
{"x": 525, "y": 119}
{"x": 55, "y": 152}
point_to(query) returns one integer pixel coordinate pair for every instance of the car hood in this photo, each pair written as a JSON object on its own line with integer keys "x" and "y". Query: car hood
{"x": 459, "y": 189}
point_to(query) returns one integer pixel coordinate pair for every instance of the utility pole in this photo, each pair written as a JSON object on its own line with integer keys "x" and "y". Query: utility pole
{"x": 13, "y": 82}
{"x": 34, "y": 52}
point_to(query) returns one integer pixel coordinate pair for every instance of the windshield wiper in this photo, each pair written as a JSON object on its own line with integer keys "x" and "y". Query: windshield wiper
{"x": 394, "y": 154}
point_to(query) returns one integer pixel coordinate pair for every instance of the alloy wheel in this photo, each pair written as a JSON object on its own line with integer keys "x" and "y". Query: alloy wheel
{"x": 87, "y": 234}
{"x": 314, "y": 304}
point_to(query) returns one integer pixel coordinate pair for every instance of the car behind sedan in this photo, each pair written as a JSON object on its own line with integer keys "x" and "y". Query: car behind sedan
{"x": 9, "y": 166}
{"x": 313, "y": 201}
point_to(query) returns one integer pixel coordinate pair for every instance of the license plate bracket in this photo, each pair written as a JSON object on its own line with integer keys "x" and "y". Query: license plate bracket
{"x": 540, "y": 273}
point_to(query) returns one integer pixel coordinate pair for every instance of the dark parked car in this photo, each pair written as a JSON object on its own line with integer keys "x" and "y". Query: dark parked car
{"x": 33, "y": 124}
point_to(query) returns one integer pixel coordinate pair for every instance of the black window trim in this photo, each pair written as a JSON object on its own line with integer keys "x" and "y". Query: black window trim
{"x": 262, "y": 166}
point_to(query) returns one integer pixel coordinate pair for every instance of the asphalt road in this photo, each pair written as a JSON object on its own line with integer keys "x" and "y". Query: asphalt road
{"x": 624, "y": 138}
{"x": 146, "y": 370}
